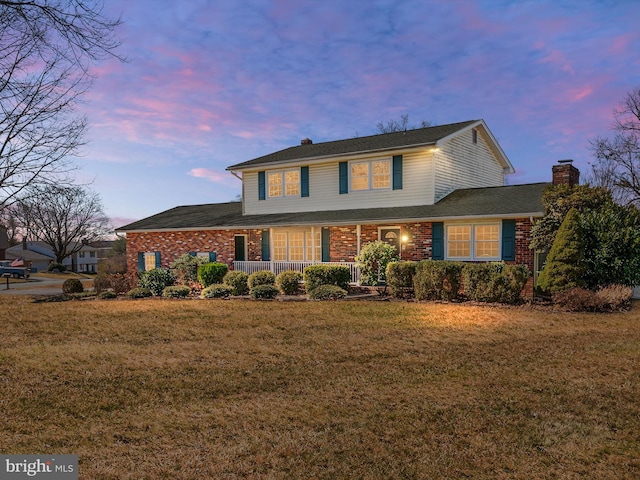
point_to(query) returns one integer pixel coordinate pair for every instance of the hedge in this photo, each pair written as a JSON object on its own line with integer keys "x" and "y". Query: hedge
{"x": 400, "y": 278}
{"x": 494, "y": 282}
{"x": 316, "y": 275}
{"x": 437, "y": 280}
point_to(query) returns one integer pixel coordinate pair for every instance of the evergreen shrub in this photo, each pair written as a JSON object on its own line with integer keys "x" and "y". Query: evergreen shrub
{"x": 156, "y": 280}
{"x": 72, "y": 285}
{"x": 437, "y": 280}
{"x": 261, "y": 277}
{"x": 289, "y": 282}
{"x": 494, "y": 282}
{"x": 264, "y": 291}
{"x": 238, "y": 281}
{"x": 316, "y": 275}
{"x": 217, "y": 290}
{"x": 400, "y": 278}
{"x": 212, "y": 272}
{"x": 327, "y": 292}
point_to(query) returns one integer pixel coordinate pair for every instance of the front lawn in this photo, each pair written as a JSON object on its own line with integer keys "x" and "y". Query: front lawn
{"x": 236, "y": 389}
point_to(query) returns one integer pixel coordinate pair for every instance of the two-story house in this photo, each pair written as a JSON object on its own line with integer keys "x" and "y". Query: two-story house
{"x": 435, "y": 193}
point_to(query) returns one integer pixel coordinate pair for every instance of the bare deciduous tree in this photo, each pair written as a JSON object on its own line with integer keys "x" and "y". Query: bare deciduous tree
{"x": 65, "y": 218}
{"x": 401, "y": 125}
{"x": 616, "y": 163}
{"x": 47, "y": 49}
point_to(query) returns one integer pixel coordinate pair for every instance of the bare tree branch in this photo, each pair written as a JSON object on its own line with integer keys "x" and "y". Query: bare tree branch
{"x": 399, "y": 126}
{"x": 65, "y": 218}
{"x": 47, "y": 49}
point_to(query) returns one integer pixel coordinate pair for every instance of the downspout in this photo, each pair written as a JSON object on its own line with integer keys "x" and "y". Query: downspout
{"x": 358, "y": 233}
{"x": 242, "y": 192}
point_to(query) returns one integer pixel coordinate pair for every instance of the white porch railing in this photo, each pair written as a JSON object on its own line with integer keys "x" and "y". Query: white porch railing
{"x": 276, "y": 267}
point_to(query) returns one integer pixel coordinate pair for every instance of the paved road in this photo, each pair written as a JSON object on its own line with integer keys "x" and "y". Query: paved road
{"x": 35, "y": 286}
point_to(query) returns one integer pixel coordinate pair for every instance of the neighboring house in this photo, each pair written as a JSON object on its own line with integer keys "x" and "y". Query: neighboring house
{"x": 434, "y": 193}
{"x": 4, "y": 242}
{"x": 41, "y": 255}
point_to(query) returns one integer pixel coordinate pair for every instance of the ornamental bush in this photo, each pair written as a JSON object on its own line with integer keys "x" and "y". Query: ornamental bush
{"x": 327, "y": 292}
{"x": 494, "y": 282}
{"x": 186, "y": 268}
{"x": 267, "y": 292}
{"x": 400, "y": 278}
{"x": 56, "y": 267}
{"x": 117, "y": 282}
{"x": 316, "y": 275}
{"x": 437, "y": 280}
{"x": 156, "y": 280}
{"x": 72, "y": 285}
{"x": 176, "y": 291}
{"x": 238, "y": 281}
{"x": 289, "y": 282}
{"x": 139, "y": 292}
{"x": 373, "y": 260}
{"x": 608, "y": 299}
{"x": 261, "y": 277}
{"x": 565, "y": 262}
{"x": 212, "y": 272}
{"x": 217, "y": 290}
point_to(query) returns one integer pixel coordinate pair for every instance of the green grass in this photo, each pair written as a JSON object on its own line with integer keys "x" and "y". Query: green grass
{"x": 227, "y": 389}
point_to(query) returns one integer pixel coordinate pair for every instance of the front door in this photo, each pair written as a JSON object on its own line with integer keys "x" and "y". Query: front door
{"x": 391, "y": 236}
{"x": 240, "y": 248}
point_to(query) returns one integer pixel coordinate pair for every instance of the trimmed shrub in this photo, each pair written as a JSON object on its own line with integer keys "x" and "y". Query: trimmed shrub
{"x": 107, "y": 294}
{"x": 56, "y": 267}
{"x": 101, "y": 283}
{"x": 373, "y": 260}
{"x": 261, "y": 277}
{"x": 400, "y": 278}
{"x": 176, "y": 291}
{"x": 608, "y": 299}
{"x": 217, "y": 290}
{"x": 565, "y": 268}
{"x": 264, "y": 292}
{"x": 289, "y": 282}
{"x": 139, "y": 292}
{"x": 72, "y": 285}
{"x": 494, "y": 282}
{"x": 157, "y": 280}
{"x": 212, "y": 272}
{"x": 327, "y": 292}
{"x": 437, "y": 280}
{"x": 238, "y": 281}
{"x": 316, "y": 275}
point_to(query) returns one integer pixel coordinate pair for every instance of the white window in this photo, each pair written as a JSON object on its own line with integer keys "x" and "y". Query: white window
{"x": 370, "y": 175}
{"x": 81, "y": 254}
{"x": 204, "y": 255}
{"x": 92, "y": 254}
{"x": 149, "y": 261}
{"x": 285, "y": 183}
{"x": 473, "y": 242}
{"x": 297, "y": 246}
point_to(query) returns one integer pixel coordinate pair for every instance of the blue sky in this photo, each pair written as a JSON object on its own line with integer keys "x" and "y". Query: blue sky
{"x": 212, "y": 83}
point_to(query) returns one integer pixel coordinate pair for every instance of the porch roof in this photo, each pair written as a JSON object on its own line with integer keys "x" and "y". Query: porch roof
{"x": 490, "y": 202}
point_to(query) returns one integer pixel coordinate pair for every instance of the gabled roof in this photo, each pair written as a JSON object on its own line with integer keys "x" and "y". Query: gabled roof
{"x": 513, "y": 201}
{"x": 372, "y": 143}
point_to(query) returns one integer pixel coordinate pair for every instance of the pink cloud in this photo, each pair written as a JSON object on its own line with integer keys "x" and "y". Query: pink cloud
{"x": 209, "y": 174}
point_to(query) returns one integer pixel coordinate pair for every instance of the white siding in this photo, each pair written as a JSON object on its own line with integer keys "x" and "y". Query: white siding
{"x": 460, "y": 163}
{"x": 324, "y": 193}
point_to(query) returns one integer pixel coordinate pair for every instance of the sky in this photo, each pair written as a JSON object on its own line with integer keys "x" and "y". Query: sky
{"x": 211, "y": 83}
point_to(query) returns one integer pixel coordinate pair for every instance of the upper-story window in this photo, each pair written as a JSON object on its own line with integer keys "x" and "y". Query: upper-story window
{"x": 81, "y": 254}
{"x": 284, "y": 183}
{"x": 370, "y": 175}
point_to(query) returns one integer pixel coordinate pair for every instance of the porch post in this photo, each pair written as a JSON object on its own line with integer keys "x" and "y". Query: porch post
{"x": 271, "y": 249}
{"x": 313, "y": 244}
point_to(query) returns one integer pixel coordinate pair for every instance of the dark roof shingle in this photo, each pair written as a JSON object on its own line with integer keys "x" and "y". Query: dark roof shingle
{"x": 419, "y": 136}
{"x": 507, "y": 201}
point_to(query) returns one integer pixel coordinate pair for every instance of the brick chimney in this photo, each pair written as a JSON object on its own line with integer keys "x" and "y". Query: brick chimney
{"x": 565, "y": 173}
{"x": 306, "y": 141}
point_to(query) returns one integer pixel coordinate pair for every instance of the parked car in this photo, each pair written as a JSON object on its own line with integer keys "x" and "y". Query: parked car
{"x": 16, "y": 272}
